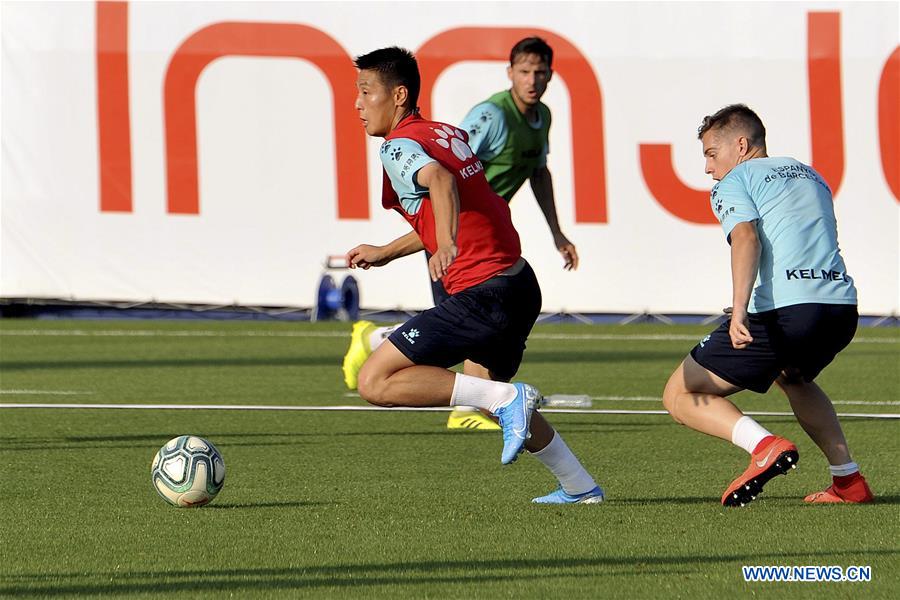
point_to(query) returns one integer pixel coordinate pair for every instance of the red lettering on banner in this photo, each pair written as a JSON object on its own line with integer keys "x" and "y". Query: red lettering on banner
{"x": 685, "y": 202}
{"x": 826, "y": 127}
{"x": 493, "y": 43}
{"x": 889, "y": 121}
{"x": 113, "y": 121}
{"x": 265, "y": 40}
{"x": 825, "y": 105}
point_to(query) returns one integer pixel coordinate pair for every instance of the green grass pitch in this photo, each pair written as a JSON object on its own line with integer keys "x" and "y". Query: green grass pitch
{"x": 392, "y": 504}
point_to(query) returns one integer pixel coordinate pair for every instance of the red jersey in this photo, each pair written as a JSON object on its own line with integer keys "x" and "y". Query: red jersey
{"x": 486, "y": 240}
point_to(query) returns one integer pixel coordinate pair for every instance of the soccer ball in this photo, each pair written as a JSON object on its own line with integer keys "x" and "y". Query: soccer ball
{"x": 188, "y": 471}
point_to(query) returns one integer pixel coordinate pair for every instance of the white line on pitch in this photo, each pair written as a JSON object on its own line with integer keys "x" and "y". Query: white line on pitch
{"x": 658, "y": 400}
{"x": 44, "y": 393}
{"x": 655, "y": 399}
{"x": 346, "y": 334}
{"x": 379, "y": 409}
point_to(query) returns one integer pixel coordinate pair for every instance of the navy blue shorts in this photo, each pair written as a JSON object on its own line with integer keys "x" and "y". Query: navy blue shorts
{"x": 438, "y": 292}
{"x": 805, "y": 337}
{"x": 487, "y": 323}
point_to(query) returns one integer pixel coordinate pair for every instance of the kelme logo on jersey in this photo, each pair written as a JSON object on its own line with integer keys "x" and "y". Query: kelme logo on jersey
{"x": 826, "y": 274}
{"x": 395, "y": 153}
{"x": 410, "y": 336}
{"x": 718, "y": 203}
{"x": 451, "y": 138}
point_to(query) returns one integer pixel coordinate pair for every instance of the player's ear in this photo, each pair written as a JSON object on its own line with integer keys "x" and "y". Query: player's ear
{"x": 743, "y": 146}
{"x": 509, "y": 72}
{"x": 401, "y": 94}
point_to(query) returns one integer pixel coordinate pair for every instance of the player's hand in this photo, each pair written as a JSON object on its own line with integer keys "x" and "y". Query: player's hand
{"x": 365, "y": 256}
{"x": 739, "y": 330}
{"x": 440, "y": 261}
{"x": 567, "y": 249}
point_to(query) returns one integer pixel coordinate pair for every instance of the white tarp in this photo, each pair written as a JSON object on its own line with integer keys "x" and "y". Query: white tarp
{"x": 266, "y": 145}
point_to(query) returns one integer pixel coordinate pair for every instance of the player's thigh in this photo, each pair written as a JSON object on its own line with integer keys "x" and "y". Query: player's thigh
{"x": 438, "y": 337}
{"x": 509, "y": 311}
{"x": 692, "y": 378}
{"x": 753, "y": 367}
{"x": 383, "y": 362}
{"x": 813, "y": 335}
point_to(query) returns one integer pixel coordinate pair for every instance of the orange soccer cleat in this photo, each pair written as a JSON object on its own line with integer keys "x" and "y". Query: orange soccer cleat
{"x": 856, "y": 492}
{"x": 775, "y": 458}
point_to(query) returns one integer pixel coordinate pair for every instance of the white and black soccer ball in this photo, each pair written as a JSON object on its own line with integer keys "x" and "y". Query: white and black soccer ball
{"x": 188, "y": 471}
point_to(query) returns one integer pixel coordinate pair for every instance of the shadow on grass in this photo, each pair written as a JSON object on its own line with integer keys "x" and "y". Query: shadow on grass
{"x": 240, "y": 505}
{"x": 222, "y": 441}
{"x": 416, "y": 574}
{"x": 602, "y": 356}
{"x": 143, "y": 363}
{"x": 33, "y": 445}
{"x": 667, "y": 500}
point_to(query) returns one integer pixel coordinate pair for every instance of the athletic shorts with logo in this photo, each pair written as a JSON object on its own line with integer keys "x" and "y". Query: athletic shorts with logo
{"x": 805, "y": 337}
{"x": 487, "y": 323}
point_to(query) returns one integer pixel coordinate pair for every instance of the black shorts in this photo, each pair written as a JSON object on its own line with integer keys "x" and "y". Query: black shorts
{"x": 487, "y": 323}
{"x": 805, "y": 337}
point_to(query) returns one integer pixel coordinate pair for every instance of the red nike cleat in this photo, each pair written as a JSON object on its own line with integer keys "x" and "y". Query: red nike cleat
{"x": 777, "y": 458}
{"x": 857, "y": 492}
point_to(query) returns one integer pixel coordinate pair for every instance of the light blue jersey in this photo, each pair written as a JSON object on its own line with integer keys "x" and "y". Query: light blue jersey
{"x": 488, "y": 132}
{"x": 800, "y": 261}
{"x": 402, "y": 158}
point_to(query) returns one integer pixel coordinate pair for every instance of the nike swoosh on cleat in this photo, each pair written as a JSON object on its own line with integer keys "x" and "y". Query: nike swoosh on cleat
{"x": 762, "y": 463}
{"x": 519, "y": 432}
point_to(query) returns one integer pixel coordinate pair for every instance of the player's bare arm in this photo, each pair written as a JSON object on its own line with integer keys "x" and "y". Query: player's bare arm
{"x": 542, "y": 186}
{"x": 445, "y": 203}
{"x": 365, "y": 256}
{"x": 745, "y": 251}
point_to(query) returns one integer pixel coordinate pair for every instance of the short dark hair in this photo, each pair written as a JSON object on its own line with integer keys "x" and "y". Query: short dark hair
{"x": 736, "y": 116}
{"x": 532, "y": 45}
{"x": 396, "y": 66}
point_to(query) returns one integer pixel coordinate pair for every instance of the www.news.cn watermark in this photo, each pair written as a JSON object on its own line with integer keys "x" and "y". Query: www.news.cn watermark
{"x": 807, "y": 573}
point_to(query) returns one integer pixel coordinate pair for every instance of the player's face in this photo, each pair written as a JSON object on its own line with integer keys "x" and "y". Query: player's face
{"x": 723, "y": 152}
{"x": 529, "y": 76}
{"x": 375, "y": 103}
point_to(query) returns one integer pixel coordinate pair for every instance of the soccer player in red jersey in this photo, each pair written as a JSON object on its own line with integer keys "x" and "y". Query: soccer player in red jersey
{"x": 436, "y": 183}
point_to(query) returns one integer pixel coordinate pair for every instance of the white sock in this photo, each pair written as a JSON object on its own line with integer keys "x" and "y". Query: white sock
{"x": 843, "y": 470}
{"x": 462, "y": 408}
{"x": 377, "y": 337}
{"x": 481, "y": 393}
{"x": 747, "y": 433}
{"x": 565, "y": 466}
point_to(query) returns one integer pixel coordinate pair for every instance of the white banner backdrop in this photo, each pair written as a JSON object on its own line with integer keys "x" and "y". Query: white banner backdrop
{"x": 269, "y": 163}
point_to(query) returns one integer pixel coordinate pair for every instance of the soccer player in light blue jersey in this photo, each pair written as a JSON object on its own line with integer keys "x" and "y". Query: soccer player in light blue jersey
{"x": 794, "y": 310}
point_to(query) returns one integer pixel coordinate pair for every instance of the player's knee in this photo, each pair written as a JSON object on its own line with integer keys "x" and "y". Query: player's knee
{"x": 670, "y": 399}
{"x": 371, "y": 388}
{"x": 789, "y": 378}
